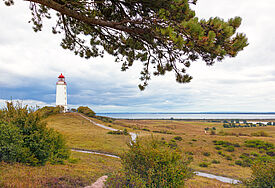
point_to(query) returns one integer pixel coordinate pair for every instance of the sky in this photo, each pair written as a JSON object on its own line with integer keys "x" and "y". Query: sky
{"x": 31, "y": 62}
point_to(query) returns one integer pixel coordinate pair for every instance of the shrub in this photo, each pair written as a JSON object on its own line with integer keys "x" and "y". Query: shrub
{"x": 125, "y": 132}
{"x": 239, "y": 162}
{"x": 118, "y": 132}
{"x": 236, "y": 145}
{"x": 25, "y": 138}
{"x": 227, "y": 157}
{"x": 104, "y": 119}
{"x": 203, "y": 164}
{"x": 49, "y": 110}
{"x": 189, "y": 153}
{"x": 263, "y": 174}
{"x": 172, "y": 144}
{"x": 206, "y": 154}
{"x": 214, "y": 161}
{"x": 150, "y": 163}
{"x": 259, "y": 144}
{"x": 271, "y": 152}
{"x": 11, "y": 143}
{"x": 218, "y": 148}
{"x": 230, "y": 149}
{"x": 194, "y": 140}
{"x": 179, "y": 138}
{"x": 86, "y": 111}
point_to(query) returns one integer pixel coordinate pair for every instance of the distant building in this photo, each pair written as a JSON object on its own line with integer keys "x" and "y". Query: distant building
{"x": 61, "y": 92}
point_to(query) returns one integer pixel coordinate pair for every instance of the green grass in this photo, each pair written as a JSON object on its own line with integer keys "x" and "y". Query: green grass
{"x": 82, "y": 134}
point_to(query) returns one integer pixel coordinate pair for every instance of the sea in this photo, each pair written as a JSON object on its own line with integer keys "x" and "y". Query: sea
{"x": 201, "y": 116}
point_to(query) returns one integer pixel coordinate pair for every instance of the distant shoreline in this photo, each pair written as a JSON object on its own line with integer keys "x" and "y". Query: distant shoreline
{"x": 198, "y": 119}
{"x": 187, "y": 113}
{"x": 193, "y": 116}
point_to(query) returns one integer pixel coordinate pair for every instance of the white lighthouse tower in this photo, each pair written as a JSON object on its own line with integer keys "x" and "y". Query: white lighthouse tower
{"x": 61, "y": 92}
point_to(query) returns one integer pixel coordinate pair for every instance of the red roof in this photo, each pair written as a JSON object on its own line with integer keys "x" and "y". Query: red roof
{"x": 61, "y": 76}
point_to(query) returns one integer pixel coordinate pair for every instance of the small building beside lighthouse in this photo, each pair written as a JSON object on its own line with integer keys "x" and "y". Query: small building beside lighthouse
{"x": 61, "y": 92}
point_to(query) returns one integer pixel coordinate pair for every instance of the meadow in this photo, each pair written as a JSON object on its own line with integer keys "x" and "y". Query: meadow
{"x": 204, "y": 148}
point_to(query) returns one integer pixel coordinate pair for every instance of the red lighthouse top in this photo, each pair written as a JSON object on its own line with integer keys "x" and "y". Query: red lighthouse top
{"x": 61, "y": 76}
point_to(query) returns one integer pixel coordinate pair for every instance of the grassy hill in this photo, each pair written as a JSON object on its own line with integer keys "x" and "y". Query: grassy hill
{"x": 82, "y": 134}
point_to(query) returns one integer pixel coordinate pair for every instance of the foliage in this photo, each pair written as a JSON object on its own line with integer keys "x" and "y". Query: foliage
{"x": 104, "y": 119}
{"x": 246, "y": 159}
{"x": 46, "y": 111}
{"x": 245, "y": 124}
{"x": 259, "y": 144}
{"x": 179, "y": 138}
{"x": 164, "y": 34}
{"x": 151, "y": 163}
{"x": 25, "y": 138}
{"x": 214, "y": 161}
{"x": 203, "y": 164}
{"x": 119, "y": 132}
{"x": 263, "y": 174}
{"x": 86, "y": 111}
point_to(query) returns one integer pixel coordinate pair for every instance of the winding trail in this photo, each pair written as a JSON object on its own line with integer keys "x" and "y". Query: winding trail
{"x": 133, "y": 137}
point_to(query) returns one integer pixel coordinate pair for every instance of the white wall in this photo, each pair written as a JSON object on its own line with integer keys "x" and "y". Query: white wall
{"x": 61, "y": 94}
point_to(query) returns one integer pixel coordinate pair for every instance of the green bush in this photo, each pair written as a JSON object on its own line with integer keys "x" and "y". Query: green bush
{"x": 118, "y": 132}
{"x": 206, "y": 154}
{"x": 218, "y": 148}
{"x": 151, "y": 163}
{"x": 25, "y": 138}
{"x": 86, "y": 111}
{"x": 179, "y": 138}
{"x": 259, "y": 144}
{"x": 230, "y": 149}
{"x": 214, "y": 161}
{"x": 49, "y": 110}
{"x": 239, "y": 162}
{"x": 11, "y": 143}
{"x": 263, "y": 174}
{"x": 203, "y": 164}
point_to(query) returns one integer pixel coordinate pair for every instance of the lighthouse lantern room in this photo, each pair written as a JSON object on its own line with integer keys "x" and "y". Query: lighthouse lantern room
{"x": 61, "y": 92}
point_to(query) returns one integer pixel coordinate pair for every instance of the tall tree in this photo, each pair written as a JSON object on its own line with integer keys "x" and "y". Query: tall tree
{"x": 163, "y": 34}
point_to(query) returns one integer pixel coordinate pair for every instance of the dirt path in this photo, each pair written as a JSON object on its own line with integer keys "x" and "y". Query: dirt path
{"x": 99, "y": 183}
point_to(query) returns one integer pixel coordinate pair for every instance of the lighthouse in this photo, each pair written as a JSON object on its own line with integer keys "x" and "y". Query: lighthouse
{"x": 61, "y": 92}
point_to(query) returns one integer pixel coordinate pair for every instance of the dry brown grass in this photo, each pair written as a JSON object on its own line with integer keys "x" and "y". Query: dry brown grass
{"x": 86, "y": 170}
{"x": 201, "y": 182}
{"x": 196, "y": 141}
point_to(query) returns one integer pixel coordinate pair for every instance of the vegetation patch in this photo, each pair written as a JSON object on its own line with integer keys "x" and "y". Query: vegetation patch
{"x": 207, "y": 154}
{"x": 179, "y": 138}
{"x": 204, "y": 164}
{"x": 155, "y": 165}
{"x": 25, "y": 138}
{"x": 119, "y": 132}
